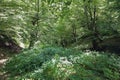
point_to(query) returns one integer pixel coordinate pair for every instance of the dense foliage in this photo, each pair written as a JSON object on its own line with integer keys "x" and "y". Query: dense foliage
{"x": 53, "y": 63}
{"x": 82, "y": 35}
{"x": 66, "y": 22}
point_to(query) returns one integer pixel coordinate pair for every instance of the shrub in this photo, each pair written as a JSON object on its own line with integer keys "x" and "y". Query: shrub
{"x": 30, "y": 60}
{"x": 52, "y": 63}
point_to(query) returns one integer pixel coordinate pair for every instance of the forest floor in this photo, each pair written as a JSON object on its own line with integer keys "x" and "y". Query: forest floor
{"x": 4, "y": 56}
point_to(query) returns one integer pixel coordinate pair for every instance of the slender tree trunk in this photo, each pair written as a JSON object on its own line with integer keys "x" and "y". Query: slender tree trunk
{"x": 74, "y": 33}
{"x": 34, "y": 34}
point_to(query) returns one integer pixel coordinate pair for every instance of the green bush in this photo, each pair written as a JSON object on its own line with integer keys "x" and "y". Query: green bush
{"x": 52, "y": 63}
{"x": 24, "y": 62}
{"x": 30, "y": 60}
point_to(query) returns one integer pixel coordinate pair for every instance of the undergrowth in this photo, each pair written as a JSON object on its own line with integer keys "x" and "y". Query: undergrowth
{"x": 53, "y": 63}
